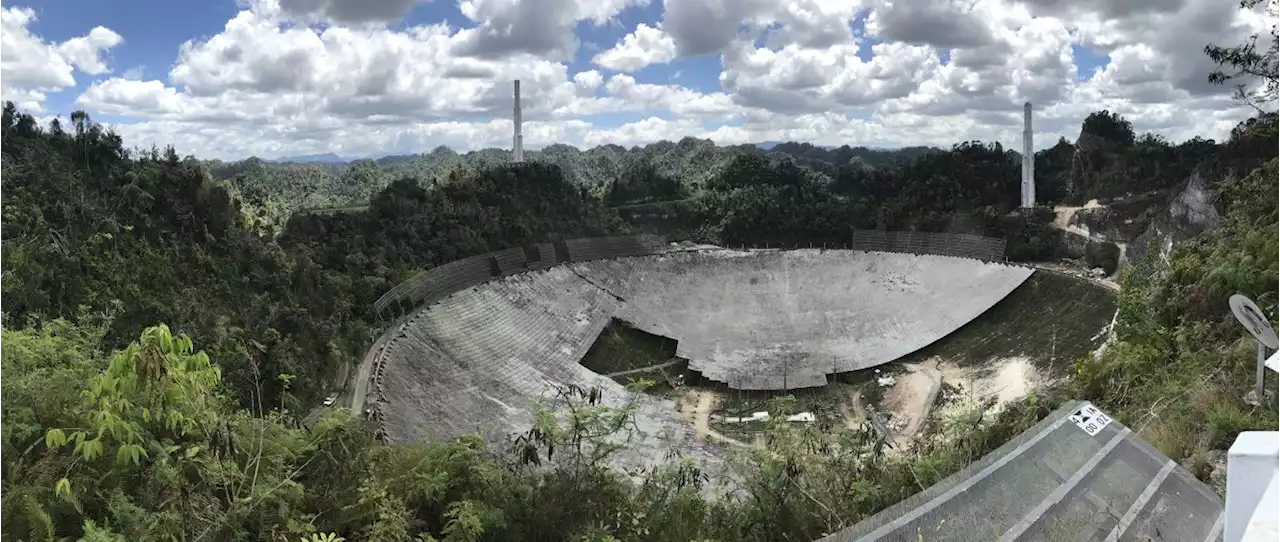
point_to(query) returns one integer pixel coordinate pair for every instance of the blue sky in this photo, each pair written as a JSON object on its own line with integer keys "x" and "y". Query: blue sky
{"x": 153, "y": 31}
{"x": 660, "y": 81}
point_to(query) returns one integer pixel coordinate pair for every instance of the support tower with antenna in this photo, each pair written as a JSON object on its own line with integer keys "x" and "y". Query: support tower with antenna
{"x": 517, "y": 144}
{"x": 1028, "y": 161}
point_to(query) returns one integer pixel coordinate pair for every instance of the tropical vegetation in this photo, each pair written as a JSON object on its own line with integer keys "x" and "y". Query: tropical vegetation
{"x": 168, "y": 322}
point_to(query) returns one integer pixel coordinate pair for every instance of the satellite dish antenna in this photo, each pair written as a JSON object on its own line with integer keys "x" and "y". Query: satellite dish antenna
{"x": 1251, "y": 316}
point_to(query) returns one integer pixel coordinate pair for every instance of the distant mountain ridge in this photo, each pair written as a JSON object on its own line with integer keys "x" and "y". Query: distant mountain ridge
{"x": 327, "y": 180}
{"x": 326, "y": 158}
{"x": 769, "y": 145}
{"x": 332, "y": 158}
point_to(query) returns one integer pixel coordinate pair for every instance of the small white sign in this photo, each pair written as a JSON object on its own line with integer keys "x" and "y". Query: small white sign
{"x": 1254, "y": 320}
{"x": 1090, "y": 419}
{"x": 1274, "y": 361}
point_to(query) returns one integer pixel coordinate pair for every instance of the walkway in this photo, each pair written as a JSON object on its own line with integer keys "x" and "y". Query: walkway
{"x": 357, "y": 388}
{"x": 663, "y": 365}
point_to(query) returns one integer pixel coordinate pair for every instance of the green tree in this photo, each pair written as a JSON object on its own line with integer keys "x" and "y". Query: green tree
{"x": 44, "y": 368}
{"x": 1250, "y": 67}
{"x": 1113, "y": 130}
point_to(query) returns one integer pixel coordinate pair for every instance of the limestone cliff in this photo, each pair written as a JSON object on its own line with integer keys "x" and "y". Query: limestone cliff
{"x": 1084, "y": 161}
{"x": 1189, "y": 213}
{"x": 1120, "y": 220}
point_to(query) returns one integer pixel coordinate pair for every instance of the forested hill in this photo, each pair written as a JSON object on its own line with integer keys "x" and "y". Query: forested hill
{"x": 313, "y": 185}
{"x": 1107, "y": 160}
{"x": 96, "y": 235}
{"x": 117, "y": 430}
{"x": 91, "y": 230}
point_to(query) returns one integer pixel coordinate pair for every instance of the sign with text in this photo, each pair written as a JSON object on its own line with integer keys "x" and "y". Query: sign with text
{"x": 1251, "y": 316}
{"x": 1090, "y": 419}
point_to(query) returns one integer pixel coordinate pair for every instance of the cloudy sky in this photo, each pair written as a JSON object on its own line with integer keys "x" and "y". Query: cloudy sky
{"x": 230, "y": 79}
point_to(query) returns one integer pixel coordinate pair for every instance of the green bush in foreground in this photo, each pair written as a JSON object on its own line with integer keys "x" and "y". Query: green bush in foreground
{"x": 151, "y": 448}
{"x": 1181, "y": 365}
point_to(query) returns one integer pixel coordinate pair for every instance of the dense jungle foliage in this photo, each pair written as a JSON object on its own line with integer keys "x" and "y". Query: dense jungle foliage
{"x": 90, "y": 232}
{"x": 167, "y": 321}
{"x": 118, "y": 429}
{"x": 687, "y": 162}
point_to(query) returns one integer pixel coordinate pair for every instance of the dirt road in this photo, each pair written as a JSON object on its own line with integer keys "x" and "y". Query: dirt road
{"x": 360, "y": 385}
{"x": 1064, "y": 213}
{"x": 1105, "y": 282}
{"x": 912, "y": 397}
{"x": 696, "y": 406}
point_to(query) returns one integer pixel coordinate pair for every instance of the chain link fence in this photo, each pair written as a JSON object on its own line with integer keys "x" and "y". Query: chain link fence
{"x": 961, "y": 245}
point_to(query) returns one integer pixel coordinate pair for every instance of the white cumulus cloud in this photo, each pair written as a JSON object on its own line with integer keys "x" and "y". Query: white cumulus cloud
{"x": 30, "y": 67}
{"x": 288, "y": 77}
{"x": 647, "y": 45}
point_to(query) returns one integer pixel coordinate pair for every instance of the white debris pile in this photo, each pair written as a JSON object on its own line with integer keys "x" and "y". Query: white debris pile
{"x": 754, "y": 417}
{"x": 764, "y": 417}
{"x": 897, "y": 424}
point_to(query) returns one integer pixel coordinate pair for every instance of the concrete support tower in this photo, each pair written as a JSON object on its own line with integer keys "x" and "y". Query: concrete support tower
{"x": 517, "y": 144}
{"x": 1028, "y": 161}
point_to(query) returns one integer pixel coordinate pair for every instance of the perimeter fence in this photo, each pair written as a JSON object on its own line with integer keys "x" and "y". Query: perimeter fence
{"x": 910, "y": 242}
{"x": 961, "y": 245}
{"x": 442, "y": 281}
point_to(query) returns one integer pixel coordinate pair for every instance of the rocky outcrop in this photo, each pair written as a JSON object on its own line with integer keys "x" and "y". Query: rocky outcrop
{"x": 1083, "y": 162}
{"x": 1100, "y": 222}
{"x": 1092, "y": 252}
{"x": 1120, "y": 220}
{"x": 1189, "y": 214}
